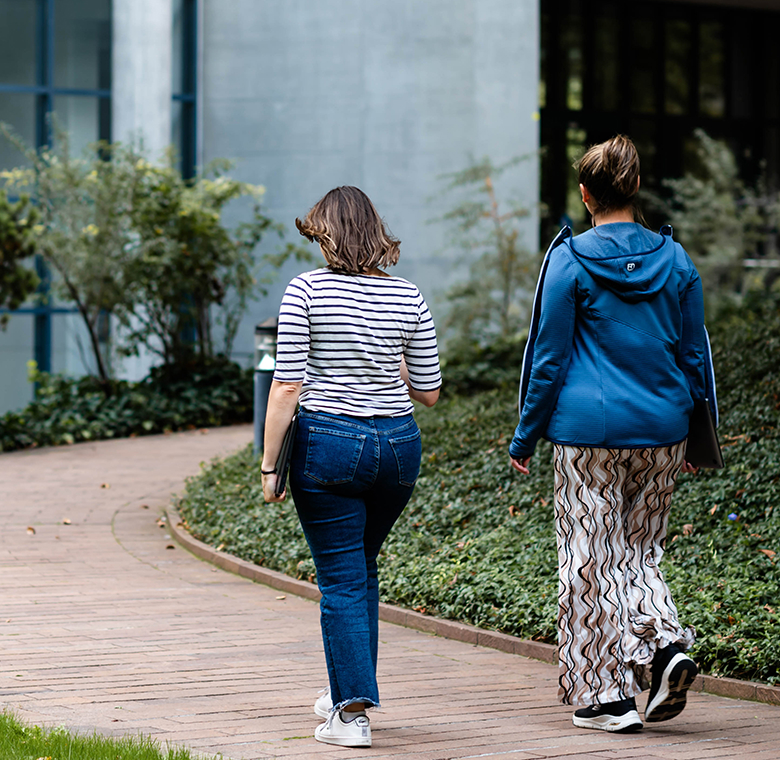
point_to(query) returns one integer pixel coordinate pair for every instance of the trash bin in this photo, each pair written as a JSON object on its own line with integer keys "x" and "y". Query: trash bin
{"x": 265, "y": 364}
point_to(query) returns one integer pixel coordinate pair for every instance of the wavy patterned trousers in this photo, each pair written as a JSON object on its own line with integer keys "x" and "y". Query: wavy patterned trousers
{"x": 615, "y": 609}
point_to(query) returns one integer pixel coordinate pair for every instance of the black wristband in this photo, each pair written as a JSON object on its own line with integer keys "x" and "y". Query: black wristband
{"x": 268, "y": 472}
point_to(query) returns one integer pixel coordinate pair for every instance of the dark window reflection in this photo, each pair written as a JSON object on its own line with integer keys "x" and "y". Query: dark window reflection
{"x": 656, "y": 71}
{"x": 572, "y": 49}
{"x": 712, "y": 96}
{"x": 643, "y": 55}
{"x": 17, "y": 42}
{"x": 607, "y": 39}
{"x": 575, "y": 148}
{"x": 677, "y": 67}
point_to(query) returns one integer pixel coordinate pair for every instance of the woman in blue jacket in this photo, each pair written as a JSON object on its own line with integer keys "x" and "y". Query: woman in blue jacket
{"x": 610, "y": 379}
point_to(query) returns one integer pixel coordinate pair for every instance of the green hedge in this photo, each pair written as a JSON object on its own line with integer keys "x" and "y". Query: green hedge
{"x": 477, "y": 542}
{"x": 67, "y": 410}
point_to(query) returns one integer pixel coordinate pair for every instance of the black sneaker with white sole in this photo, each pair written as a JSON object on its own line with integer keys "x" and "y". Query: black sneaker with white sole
{"x": 615, "y": 717}
{"x": 673, "y": 674}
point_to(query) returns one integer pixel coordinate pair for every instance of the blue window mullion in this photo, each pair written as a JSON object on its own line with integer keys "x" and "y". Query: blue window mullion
{"x": 44, "y": 105}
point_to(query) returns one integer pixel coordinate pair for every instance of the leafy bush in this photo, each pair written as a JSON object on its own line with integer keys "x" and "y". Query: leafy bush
{"x": 66, "y": 410}
{"x": 719, "y": 219}
{"x": 477, "y": 542}
{"x": 470, "y": 367}
{"x": 493, "y": 301}
{"x": 17, "y": 243}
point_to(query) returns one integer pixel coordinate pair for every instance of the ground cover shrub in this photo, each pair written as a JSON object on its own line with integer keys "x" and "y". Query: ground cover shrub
{"x": 19, "y": 741}
{"x": 68, "y": 410}
{"x": 477, "y": 542}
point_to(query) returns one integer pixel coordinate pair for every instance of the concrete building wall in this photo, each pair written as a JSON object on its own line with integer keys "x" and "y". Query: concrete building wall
{"x": 386, "y": 96}
{"x": 309, "y": 94}
{"x": 142, "y": 72}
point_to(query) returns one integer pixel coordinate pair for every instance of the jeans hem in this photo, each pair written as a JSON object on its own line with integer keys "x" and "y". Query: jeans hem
{"x": 369, "y": 703}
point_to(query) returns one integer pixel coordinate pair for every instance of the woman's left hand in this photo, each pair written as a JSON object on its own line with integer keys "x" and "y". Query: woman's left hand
{"x": 687, "y": 467}
{"x": 269, "y": 484}
{"x": 521, "y": 465}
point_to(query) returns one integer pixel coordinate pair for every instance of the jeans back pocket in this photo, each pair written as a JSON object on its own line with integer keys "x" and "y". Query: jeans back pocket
{"x": 332, "y": 456}
{"x": 408, "y": 452}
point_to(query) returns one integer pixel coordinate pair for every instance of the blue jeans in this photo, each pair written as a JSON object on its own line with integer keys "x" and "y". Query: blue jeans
{"x": 351, "y": 478}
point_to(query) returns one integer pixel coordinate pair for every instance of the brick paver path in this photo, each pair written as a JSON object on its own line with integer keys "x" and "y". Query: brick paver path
{"x": 105, "y": 627}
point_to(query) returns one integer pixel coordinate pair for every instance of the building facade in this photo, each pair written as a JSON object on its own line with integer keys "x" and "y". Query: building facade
{"x": 388, "y": 96}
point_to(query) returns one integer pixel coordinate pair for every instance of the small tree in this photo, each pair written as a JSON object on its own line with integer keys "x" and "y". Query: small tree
{"x": 136, "y": 241}
{"x": 494, "y": 302}
{"x": 17, "y": 243}
{"x": 717, "y": 217}
{"x": 84, "y": 231}
{"x": 191, "y": 270}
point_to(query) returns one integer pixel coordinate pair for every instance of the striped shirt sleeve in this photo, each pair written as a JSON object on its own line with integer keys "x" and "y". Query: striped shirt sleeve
{"x": 294, "y": 337}
{"x": 421, "y": 353}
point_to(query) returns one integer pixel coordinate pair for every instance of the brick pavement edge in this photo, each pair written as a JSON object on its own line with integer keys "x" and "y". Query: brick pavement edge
{"x": 447, "y": 629}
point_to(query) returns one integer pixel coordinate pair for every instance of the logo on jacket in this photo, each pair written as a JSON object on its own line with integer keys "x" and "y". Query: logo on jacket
{"x": 631, "y": 266}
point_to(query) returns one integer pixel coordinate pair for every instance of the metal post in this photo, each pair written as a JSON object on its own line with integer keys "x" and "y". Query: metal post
{"x": 265, "y": 364}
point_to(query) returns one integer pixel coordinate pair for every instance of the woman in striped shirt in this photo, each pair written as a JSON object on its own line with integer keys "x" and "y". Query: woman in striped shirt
{"x": 355, "y": 346}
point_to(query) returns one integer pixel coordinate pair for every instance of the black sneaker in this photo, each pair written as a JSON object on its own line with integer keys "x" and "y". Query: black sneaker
{"x": 673, "y": 674}
{"x": 616, "y": 717}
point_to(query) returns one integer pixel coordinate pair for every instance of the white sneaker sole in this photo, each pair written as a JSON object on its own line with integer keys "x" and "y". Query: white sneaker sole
{"x": 320, "y": 711}
{"x": 670, "y": 700}
{"x": 612, "y": 723}
{"x": 343, "y": 741}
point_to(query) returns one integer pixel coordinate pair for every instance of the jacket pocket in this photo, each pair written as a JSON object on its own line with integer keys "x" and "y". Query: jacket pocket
{"x": 332, "y": 456}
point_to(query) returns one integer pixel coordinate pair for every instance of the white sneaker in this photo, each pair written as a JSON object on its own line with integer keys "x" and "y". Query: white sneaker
{"x": 356, "y": 733}
{"x": 324, "y": 704}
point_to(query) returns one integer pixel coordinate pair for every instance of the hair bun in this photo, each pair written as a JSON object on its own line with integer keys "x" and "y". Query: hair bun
{"x": 610, "y": 171}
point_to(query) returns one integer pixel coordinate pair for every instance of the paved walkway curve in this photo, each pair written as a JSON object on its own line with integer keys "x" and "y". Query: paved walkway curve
{"x": 105, "y": 627}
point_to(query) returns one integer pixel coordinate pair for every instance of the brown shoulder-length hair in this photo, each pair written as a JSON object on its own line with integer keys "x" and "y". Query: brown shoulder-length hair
{"x": 610, "y": 172}
{"x": 350, "y": 232}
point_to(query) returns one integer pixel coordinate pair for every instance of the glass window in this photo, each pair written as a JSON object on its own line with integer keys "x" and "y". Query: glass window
{"x": 17, "y": 41}
{"x": 643, "y": 133}
{"x": 17, "y": 110}
{"x": 82, "y": 44}
{"x": 575, "y": 149}
{"x": 677, "y": 66}
{"x": 605, "y": 64}
{"x": 771, "y": 74}
{"x": 572, "y": 46}
{"x": 543, "y": 70}
{"x": 80, "y": 118}
{"x": 644, "y": 54}
{"x": 712, "y": 100}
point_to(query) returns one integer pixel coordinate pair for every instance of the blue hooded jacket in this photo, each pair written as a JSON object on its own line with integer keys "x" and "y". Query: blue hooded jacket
{"x": 616, "y": 354}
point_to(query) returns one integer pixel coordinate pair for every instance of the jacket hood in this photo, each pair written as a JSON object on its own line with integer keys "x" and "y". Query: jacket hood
{"x": 628, "y": 259}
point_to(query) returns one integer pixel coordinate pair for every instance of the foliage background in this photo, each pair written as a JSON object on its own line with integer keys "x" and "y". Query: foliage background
{"x": 67, "y": 410}
{"x": 17, "y": 243}
{"x": 477, "y": 543}
{"x": 138, "y": 242}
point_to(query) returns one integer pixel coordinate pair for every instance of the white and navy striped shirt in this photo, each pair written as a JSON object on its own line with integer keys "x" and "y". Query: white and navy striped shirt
{"x": 343, "y": 336}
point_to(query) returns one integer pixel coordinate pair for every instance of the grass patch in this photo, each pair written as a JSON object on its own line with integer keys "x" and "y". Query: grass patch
{"x": 477, "y": 542}
{"x": 19, "y": 741}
